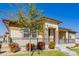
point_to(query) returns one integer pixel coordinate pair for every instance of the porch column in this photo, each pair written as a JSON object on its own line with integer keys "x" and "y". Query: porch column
{"x": 56, "y": 37}
{"x": 67, "y": 37}
{"x": 46, "y": 35}
{"x": 75, "y": 38}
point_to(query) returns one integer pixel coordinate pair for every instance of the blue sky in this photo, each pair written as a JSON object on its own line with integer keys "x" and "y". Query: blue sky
{"x": 67, "y": 13}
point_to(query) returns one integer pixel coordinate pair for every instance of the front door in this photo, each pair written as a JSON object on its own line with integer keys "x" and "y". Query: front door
{"x": 51, "y": 34}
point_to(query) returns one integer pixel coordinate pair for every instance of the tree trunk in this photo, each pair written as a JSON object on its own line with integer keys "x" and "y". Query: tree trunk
{"x": 30, "y": 36}
{"x": 38, "y": 51}
{"x": 43, "y": 32}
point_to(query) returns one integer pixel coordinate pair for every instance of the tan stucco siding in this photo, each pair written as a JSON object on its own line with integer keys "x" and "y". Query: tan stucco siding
{"x": 54, "y": 26}
{"x": 51, "y": 25}
{"x": 16, "y": 32}
{"x": 66, "y": 34}
{"x": 72, "y": 36}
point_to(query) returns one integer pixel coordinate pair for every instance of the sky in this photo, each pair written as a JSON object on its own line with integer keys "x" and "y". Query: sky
{"x": 68, "y": 13}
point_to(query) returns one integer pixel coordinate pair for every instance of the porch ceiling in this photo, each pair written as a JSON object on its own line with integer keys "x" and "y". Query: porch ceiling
{"x": 65, "y": 30}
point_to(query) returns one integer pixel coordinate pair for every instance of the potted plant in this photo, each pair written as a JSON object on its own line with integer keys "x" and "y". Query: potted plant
{"x": 51, "y": 44}
{"x": 14, "y": 47}
{"x": 41, "y": 45}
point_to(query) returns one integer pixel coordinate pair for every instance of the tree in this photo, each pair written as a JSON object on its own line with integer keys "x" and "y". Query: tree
{"x": 31, "y": 19}
{"x": 35, "y": 22}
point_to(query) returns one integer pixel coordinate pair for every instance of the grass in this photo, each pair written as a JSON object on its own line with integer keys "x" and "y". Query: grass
{"x": 44, "y": 53}
{"x": 74, "y": 49}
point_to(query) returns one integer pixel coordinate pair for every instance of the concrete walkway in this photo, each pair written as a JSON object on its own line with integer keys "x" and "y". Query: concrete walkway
{"x": 66, "y": 50}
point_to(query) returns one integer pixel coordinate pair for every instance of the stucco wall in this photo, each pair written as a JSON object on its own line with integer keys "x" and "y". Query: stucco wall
{"x": 55, "y": 26}
{"x": 72, "y": 35}
{"x": 51, "y": 25}
{"x": 24, "y": 42}
{"x": 16, "y": 32}
{"x": 77, "y": 41}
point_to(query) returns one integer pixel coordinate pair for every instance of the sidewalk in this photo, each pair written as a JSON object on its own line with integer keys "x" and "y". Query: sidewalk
{"x": 66, "y": 50}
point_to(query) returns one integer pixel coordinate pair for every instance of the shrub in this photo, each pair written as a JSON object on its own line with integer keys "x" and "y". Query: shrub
{"x": 14, "y": 47}
{"x": 51, "y": 44}
{"x": 32, "y": 46}
{"x": 41, "y": 45}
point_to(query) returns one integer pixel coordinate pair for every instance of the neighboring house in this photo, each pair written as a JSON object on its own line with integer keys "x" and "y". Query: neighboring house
{"x": 1, "y": 39}
{"x": 52, "y": 31}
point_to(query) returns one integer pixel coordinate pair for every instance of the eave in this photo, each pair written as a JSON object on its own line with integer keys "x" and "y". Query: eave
{"x": 11, "y": 22}
{"x": 66, "y": 29}
{"x": 52, "y": 20}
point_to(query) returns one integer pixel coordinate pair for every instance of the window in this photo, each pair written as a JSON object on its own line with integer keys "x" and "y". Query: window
{"x": 70, "y": 35}
{"x": 26, "y": 34}
{"x": 33, "y": 33}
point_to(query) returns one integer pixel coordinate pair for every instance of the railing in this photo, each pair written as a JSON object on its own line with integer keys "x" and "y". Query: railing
{"x": 71, "y": 40}
{"x": 65, "y": 41}
{"x": 35, "y": 39}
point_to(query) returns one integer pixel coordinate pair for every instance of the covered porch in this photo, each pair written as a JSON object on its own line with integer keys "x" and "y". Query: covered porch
{"x": 66, "y": 36}
{"x": 62, "y": 37}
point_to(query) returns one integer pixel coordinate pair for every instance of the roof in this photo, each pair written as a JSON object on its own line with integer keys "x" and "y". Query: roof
{"x": 8, "y": 22}
{"x": 13, "y": 22}
{"x": 48, "y": 20}
{"x": 52, "y": 20}
{"x": 66, "y": 29}
{"x": 72, "y": 31}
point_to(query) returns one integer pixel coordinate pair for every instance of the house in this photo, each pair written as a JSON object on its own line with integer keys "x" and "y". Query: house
{"x": 52, "y": 31}
{"x": 1, "y": 39}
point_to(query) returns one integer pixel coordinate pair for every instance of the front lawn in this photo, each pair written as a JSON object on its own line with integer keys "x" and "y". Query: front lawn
{"x": 74, "y": 49}
{"x": 44, "y": 53}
